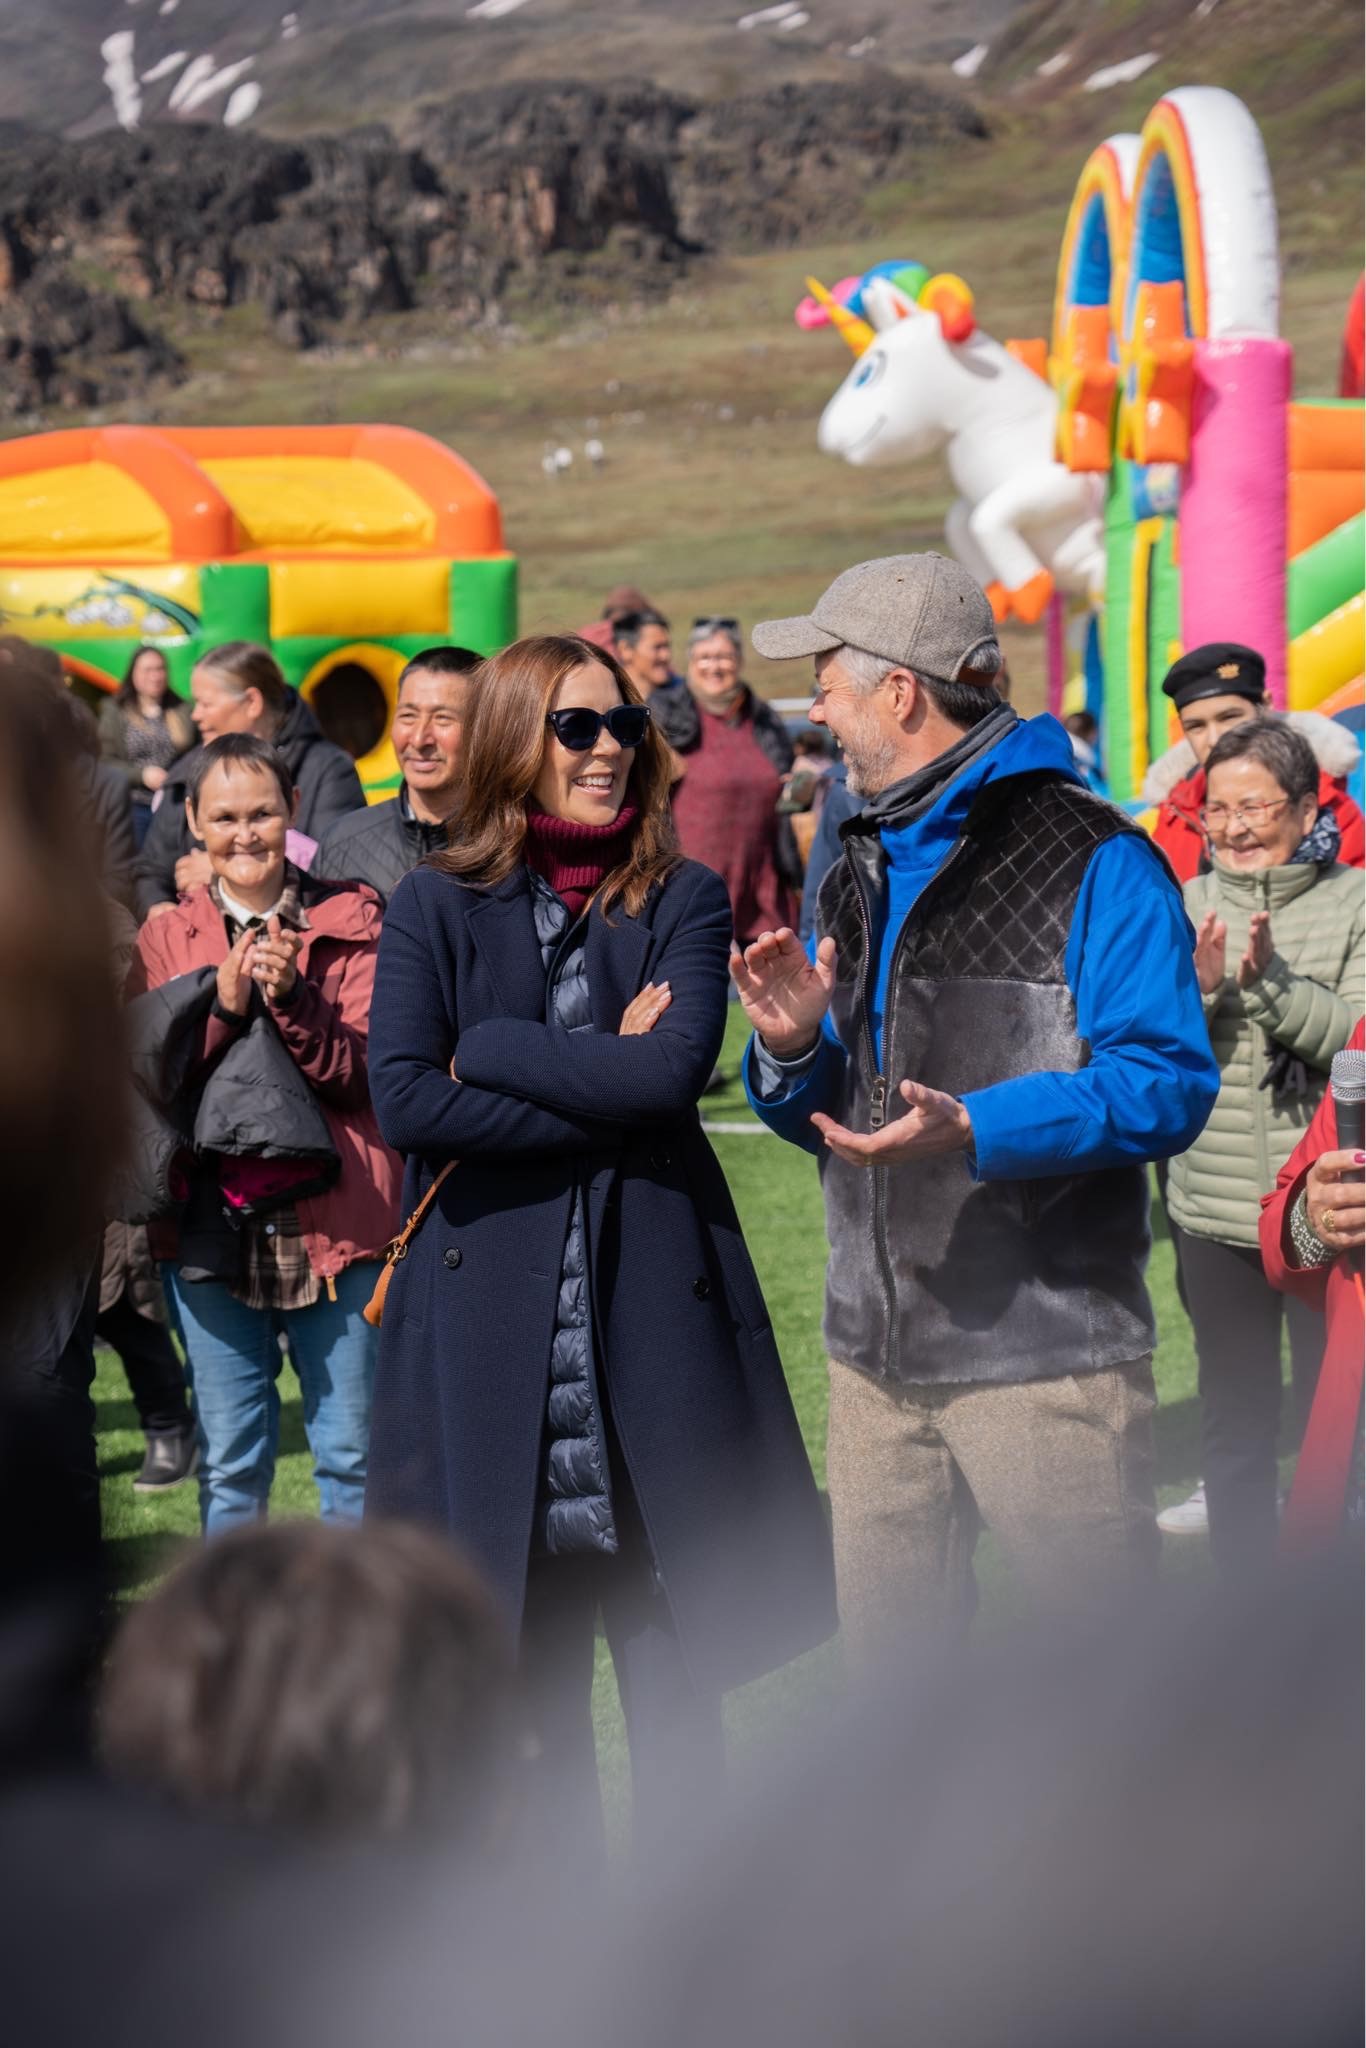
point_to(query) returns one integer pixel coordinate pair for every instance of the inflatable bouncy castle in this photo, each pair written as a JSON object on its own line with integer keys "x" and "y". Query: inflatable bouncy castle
{"x": 1219, "y": 506}
{"x": 1232, "y": 510}
{"x": 344, "y": 549}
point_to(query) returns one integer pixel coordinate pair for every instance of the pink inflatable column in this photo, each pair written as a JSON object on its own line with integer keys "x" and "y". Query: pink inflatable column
{"x": 1233, "y": 500}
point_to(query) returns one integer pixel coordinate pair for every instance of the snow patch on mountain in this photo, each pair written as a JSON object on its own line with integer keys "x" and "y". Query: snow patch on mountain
{"x": 242, "y": 104}
{"x": 1121, "y": 74}
{"x": 165, "y": 67}
{"x": 788, "y": 15}
{"x": 202, "y": 80}
{"x": 121, "y": 78}
{"x": 971, "y": 61}
{"x": 492, "y": 10}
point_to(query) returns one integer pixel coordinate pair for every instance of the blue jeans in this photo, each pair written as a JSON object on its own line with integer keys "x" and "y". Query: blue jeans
{"x": 232, "y": 1358}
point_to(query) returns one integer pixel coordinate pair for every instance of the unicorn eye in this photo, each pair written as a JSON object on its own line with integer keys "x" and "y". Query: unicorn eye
{"x": 869, "y": 370}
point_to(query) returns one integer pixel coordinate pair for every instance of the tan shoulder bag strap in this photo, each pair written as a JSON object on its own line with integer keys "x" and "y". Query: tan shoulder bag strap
{"x": 397, "y": 1248}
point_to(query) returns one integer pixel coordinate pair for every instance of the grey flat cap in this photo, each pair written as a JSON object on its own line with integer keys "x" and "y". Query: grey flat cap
{"x": 921, "y": 611}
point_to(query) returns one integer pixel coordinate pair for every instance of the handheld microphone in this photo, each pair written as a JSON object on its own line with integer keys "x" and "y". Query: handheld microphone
{"x": 1347, "y": 1079}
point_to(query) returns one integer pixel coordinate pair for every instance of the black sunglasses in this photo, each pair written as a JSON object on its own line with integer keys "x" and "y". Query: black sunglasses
{"x": 717, "y": 623}
{"x": 577, "y": 728}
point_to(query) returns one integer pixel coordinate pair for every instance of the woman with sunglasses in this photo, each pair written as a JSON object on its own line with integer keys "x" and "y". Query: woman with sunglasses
{"x": 577, "y": 1375}
{"x": 1279, "y": 957}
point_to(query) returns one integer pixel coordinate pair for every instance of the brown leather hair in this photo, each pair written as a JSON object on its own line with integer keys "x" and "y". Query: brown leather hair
{"x": 505, "y": 741}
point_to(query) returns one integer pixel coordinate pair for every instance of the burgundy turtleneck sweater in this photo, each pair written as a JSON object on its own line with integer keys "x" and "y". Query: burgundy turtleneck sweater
{"x": 576, "y": 859}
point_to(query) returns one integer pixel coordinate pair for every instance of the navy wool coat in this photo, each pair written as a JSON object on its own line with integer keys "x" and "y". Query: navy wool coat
{"x": 693, "y": 1380}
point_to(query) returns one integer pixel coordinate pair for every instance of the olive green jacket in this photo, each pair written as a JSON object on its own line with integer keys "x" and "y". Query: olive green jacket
{"x": 1308, "y": 1000}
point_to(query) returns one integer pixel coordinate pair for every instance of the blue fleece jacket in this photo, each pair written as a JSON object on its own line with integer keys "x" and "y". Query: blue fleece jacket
{"x": 1151, "y": 1079}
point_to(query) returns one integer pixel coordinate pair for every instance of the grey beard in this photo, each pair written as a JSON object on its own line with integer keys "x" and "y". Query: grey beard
{"x": 870, "y": 768}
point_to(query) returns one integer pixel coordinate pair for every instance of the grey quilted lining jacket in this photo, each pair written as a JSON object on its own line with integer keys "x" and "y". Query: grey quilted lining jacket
{"x": 574, "y": 1507}
{"x": 1308, "y": 1001}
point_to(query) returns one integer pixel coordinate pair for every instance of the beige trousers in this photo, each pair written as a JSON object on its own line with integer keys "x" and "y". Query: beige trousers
{"x": 1061, "y": 1470}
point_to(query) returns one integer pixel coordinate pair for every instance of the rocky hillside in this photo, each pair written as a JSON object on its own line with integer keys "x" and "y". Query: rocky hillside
{"x": 561, "y": 192}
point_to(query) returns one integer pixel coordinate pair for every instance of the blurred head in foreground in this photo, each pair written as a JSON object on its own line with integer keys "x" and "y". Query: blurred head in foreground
{"x": 61, "y": 1048}
{"x": 322, "y": 1680}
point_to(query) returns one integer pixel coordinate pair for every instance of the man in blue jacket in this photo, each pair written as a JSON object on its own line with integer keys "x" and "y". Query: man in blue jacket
{"x": 997, "y": 1027}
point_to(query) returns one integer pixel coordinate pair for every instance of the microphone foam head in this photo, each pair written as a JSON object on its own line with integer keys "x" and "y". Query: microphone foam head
{"x": 1347, "y": 1077}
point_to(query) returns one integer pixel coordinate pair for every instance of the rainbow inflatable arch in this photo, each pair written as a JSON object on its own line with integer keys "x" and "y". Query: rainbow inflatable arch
{"x": 1233, "y": 510}
{"x": 345, "y": 549}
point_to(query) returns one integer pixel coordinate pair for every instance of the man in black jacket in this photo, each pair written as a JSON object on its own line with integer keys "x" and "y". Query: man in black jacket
{"x": 239, "y": 688}
{"x": 379, "y": 845}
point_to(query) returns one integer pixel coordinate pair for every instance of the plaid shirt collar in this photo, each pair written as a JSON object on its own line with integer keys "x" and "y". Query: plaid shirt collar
{"x": 289, "y": 909}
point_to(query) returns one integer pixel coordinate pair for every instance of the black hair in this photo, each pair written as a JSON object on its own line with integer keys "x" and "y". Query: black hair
{"x": 241, "y": 750}
{"x": 441, "y": 661}
{"x": 963, "y": 704}
{"x": 627, "y": 627}
{"x": 1286, "y": 753}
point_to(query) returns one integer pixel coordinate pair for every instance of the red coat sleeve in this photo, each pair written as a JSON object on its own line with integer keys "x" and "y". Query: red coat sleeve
{"x": 1352, "y": 826}
{"x": 1277, "y": 1250}
{"x": 1179, "y": 839}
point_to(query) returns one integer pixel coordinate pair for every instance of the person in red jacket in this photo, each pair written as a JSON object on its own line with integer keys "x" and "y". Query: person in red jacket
{"x": 274, "y": 1252}
{"x": 1313, "y": 1226}
{"x": 1214, "y": 687}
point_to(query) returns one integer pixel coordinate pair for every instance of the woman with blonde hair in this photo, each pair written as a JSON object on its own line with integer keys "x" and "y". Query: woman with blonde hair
{"x": 577, "y": 1377}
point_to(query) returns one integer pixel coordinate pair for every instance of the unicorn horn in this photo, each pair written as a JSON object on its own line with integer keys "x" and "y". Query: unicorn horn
{"x": 856, "y": 332}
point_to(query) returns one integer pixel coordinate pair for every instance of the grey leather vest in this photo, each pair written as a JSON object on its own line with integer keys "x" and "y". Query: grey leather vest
{"x": 934, "y": 1276}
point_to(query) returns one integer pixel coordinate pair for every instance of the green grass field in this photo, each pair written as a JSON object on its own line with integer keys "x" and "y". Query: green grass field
{"x": 779, "y": 1200}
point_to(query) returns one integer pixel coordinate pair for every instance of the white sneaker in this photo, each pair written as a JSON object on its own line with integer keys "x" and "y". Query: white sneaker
{"x": 1186, "y": 1517}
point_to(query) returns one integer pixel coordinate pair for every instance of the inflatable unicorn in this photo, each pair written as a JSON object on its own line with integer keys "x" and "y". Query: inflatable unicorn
{"x": 927, "y": 378}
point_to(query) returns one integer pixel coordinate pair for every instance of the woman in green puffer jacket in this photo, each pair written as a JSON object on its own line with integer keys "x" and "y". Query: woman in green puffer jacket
{"x": 1279, "y": 957}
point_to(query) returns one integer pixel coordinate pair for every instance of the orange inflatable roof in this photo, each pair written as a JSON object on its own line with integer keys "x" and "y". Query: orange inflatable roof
{"x": 211, "y": 494}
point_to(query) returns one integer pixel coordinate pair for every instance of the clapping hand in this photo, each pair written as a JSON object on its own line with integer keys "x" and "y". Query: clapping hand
{"x": 1260, "y": 947}
{"x": 272, "y": 965}
{"x": 234, "y": 976}
{"x": 1211, "y": 953}
{"x": 785, "y": 994}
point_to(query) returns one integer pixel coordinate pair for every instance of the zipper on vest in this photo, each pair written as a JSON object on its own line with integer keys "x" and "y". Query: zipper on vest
{"x": 877, "y": 1091}
{"x": 877, "y": 1117}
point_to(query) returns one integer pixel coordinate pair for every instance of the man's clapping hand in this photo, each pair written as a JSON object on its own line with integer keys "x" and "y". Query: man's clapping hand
{"x": 934, "y": 1124}
{"x": 785, "y": 995}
